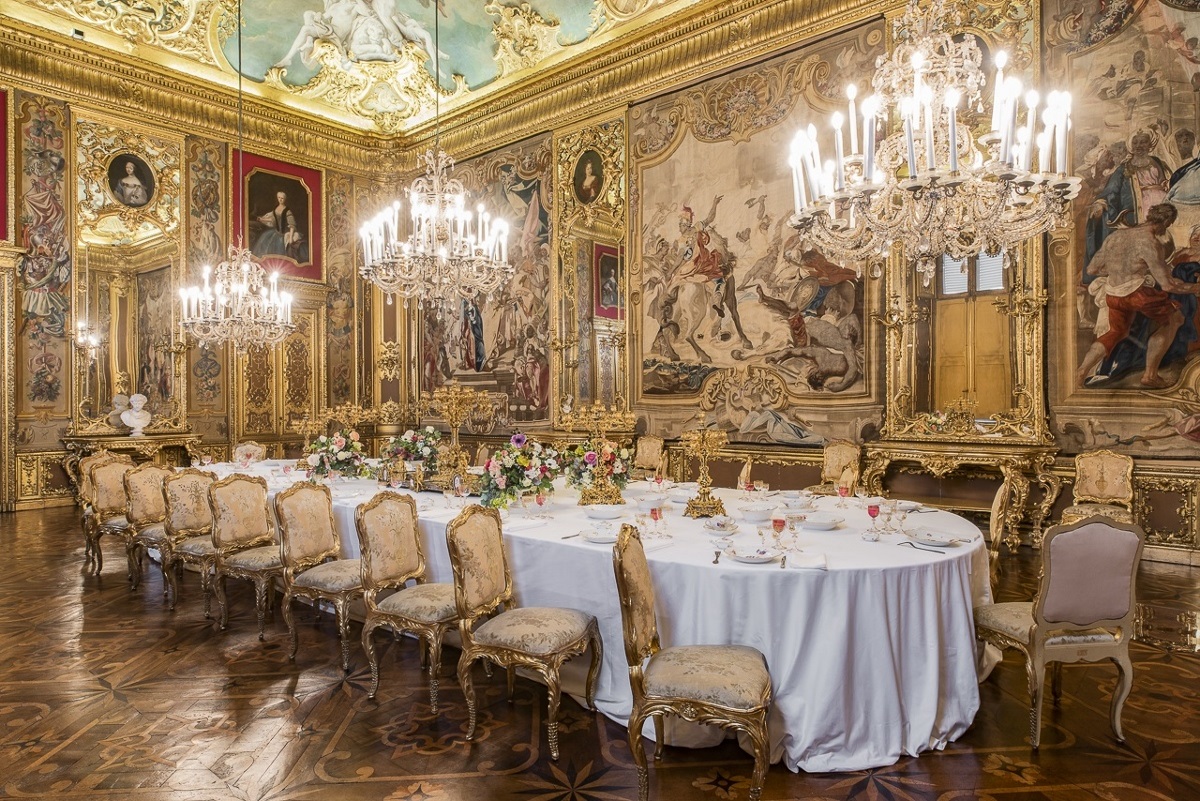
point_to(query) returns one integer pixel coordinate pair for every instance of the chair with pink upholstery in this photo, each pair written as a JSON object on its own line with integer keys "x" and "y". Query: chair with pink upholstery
{"x": 1083, "y": 611}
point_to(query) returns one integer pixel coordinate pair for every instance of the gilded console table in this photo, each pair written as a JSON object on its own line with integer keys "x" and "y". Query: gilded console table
{"x": 171, "y": 449}
{"x": 1018, "y": 463}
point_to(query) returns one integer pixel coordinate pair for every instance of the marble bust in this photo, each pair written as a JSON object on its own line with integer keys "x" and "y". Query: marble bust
{"x": 120, "y": 404}
{"x": 136, "y": 417}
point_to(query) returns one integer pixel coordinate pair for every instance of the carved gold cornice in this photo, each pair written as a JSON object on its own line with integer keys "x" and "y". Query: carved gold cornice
{"x": 90, "y": 77}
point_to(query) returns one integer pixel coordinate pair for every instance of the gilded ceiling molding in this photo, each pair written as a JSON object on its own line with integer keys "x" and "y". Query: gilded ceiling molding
{"x": 524, "y": 38}
{"x": 90, "y": 77}
{"x": 177, "y": 26}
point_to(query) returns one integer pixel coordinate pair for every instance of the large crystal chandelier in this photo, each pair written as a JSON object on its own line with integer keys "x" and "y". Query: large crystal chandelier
{"x": 240, "y": 304}
{"x": 932, "y": 189}
{"x": 447, "y": 253}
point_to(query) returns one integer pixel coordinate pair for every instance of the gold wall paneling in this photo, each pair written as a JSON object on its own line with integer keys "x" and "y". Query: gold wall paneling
{"x": 8, "y": 376}
{"x": 41, "y": 480}
{"x": 589, "y": 284}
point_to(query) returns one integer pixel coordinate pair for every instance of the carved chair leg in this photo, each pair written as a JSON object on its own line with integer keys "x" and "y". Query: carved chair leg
{"x": 133, "y": 564}
{"x": 206, "y": 588}
{"x": 636, "y": 720}
{"x": 658, "y": 738}
{"x": 1121, "y": 691}
{"x": 218, "y": 582}
{"x": 290, "y": 619}
{"x": 1056, "y": 669}
{"x": 593, "y": 677}
{"x": 553, "y": 697}
{"x": 511, "y": 681}
{"x": 260, "y": 607}
{"x": 762, "y": 757}
{"x": 423, "y": 651}
{"x": 435, "y": 667}
{"x": 468, "y": 689}
{"x": 170, "y": 576}
{"x": 98, "y": 551}
{"x": 271, "y": 600}
{"x": 368, "y": 646}
{"x": 1036, "y": 670}
{"x": 342, "y": 610}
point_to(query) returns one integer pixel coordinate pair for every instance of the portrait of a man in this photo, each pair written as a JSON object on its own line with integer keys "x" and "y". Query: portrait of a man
{"x": 589, "y": 177}
{"x": 606, "y": 276}
{"x": 130, "y": 180}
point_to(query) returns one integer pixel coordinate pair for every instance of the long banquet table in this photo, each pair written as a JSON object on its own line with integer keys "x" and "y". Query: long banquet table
{"x": 872, "y": 658}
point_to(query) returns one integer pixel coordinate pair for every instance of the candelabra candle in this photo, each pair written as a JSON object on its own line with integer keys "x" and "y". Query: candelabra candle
{"x": 1031, "y": 103}
{"x": 952, "y": 98}
{"x": 838, "y": 156}
{"x": 870, "y": 109}
{"x": 852, "y": 118}
{"x": 906, "y": 110}
{"x": 927, "y": 102}
{"x": 1000, "y": 60}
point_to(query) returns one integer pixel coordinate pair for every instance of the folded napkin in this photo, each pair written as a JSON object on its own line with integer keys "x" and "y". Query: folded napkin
{"x": 520, "y": 524}
{"x": 807, "y": 560}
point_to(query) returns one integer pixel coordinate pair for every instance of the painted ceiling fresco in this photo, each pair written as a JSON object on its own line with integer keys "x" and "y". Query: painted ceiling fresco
{"x": 371, "y": 60}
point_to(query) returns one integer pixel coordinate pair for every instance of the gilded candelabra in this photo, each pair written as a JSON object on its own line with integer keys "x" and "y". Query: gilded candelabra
{"x": 704, "y": 443}
{"x": 455, "y": 404}
{"x": 598, "y": 419}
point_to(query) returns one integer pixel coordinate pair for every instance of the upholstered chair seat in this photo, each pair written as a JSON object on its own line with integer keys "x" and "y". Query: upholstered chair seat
{"x": 337, "y": 576}
{"x": 533, "y": 629}
{"x": 85, "y": 496}
{"x": 729, "y": 675}
{"x": 1083, "y": 612}
{"x": 308, "y": 541}
{"x": 147, "y": 510}
{"x": 1078, "y": 511}
{"x": 243, "y": 535}
{"x": 721, "y": 685}
{"x": 189, "y": 524}
{"x": 111, "y": 504}
{"x": 534, "y": 638}
{"x": 390, "y": 544}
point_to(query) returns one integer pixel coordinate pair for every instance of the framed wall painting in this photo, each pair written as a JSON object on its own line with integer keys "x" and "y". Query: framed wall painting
{"x": 130, "y": 180}
{"x": 608, "y": 301}
{"x": 278, "y": 215}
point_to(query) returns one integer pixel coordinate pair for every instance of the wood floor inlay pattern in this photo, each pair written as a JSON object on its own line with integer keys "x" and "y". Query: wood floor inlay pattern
{"x": 106, "y": 694}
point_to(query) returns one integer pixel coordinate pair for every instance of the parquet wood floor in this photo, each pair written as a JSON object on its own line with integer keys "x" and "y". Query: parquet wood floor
{"x": 105, "y": 694}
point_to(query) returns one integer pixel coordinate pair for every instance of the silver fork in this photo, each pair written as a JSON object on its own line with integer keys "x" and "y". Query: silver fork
{"x": 911, "y": 544}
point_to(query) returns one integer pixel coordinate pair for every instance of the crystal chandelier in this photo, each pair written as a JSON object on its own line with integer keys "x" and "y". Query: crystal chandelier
{"x": 446, "y": 253}
{"x": 240, "y": 305}
{"x": 931, "y": 188}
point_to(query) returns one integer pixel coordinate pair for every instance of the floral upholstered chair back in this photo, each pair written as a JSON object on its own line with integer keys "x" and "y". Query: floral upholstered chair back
{"x": 144, "y": 487}
{"x": 85, "y": 494}
{"x": 1089, "y": 576}
{"x": 307, "y": 535}
{"x": 249, "y": 451}
{"x": 241, "y": 517}
{"x": 636, "y": 593}
{"x": 481, "y": 454}
{"x": 389, "y": 541}
{"x": 188, "y": 511}
{"x": 108, "y": 487}
{"x": 839, "y": 454}
{"x": 1104, "y": 477}
{"x": 649, "y": 453}
{"x": 481, "y": 578}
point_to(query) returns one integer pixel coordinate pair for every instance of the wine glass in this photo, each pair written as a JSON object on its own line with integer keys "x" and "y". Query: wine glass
{"x": 656, "y": 517}
{"x": 778, "y": 522}
{"x": 842, "y": 492}
{"x": 872, "y": 534}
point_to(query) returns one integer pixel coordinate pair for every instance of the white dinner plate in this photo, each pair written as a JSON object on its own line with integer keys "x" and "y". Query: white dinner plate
{"x": 907, "y": 506}
{"x": 757, "y": 556}
{"x": 935, "y": 541}
{"x": 604, "y": 511}
{"x": 603, "y": 537}
{"x": 820, "y": 522}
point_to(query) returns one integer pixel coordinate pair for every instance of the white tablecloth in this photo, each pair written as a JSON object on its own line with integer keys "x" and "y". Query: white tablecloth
{"x": 871, "y": 659}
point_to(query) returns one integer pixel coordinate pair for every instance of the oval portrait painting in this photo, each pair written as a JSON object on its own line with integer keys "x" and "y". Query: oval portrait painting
{"x": 130, "y": 180}
{"x": 589, "y": 177}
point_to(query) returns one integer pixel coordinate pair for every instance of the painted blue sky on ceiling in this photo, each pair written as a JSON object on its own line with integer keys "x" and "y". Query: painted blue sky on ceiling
{"x": 272, "y": 28}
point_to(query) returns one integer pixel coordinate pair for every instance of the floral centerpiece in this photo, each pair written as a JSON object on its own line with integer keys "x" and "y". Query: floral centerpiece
{"x": 599, "y": 469}
{"x": 341, "y": 453}
{"x": 420, "y": 445}
{"x": 518, "y": 467}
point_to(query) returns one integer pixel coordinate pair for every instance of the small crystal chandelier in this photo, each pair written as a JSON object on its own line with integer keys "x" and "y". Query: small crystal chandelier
{"x": 448, "y": 253}
{"x": 240, "y": 305}
{"x": 930, "y": 189}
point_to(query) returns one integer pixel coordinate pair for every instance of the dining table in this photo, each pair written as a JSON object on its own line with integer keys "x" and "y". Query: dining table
{"x": 870, "y": 644}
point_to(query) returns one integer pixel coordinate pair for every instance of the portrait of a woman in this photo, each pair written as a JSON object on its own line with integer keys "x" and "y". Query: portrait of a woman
{"x": 131, "y": 181}
{"x": 589, "y": 177}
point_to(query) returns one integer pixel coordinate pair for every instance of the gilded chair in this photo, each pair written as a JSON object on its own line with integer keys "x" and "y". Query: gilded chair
{"x": 189, "y": 524}
{"x": 249, "y": 451}
{"x": 743, "y": 480}
{"x": 109, "y": 503}
{"x": 243, "y": 536}
{"x": 997, "y": 526}
{"x": 648, "y": 457}
{"x": 840, "y": 464}
{"x": 392, "y": 557}
{"x": 1083, "y": 611}
{"x": 722, "y": 685}
{"x": 309, "y": 548}
{"x": 146, "y": 510}
{"x": 481, "y": 454}
{"x": 538, "y": 638}
{"x": 84, "y": 494}
{"x": 1103, "y": 486}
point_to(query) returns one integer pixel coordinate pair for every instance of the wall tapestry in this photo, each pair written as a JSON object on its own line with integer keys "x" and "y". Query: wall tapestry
{"x": 339, "y": 359}
{"x": 44, "y": 273}
{"x": 154, "y": 365}
{"x": 1132, "y": 262}
{"x": 5, "y": 235}
{"x": 205, "y": 245}
{"x": 279, "y": 215}
{"x": 720, "y": 282}
{"x": 502, "y": 345}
